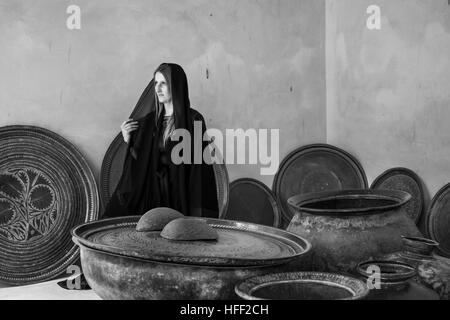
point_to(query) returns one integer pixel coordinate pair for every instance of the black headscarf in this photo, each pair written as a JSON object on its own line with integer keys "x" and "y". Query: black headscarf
{"x": 193, "y": 185}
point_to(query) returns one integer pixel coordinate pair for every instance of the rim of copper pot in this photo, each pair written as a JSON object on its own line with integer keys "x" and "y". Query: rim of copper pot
{"x": 420, "y": 241}
{"x": 419, "y": 247}
{"x": 80, "y": 231}
{"x": 300, "y": 202}
{"x": 353, "y": 285}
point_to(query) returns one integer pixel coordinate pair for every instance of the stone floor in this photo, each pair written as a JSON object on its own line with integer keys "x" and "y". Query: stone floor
{"x": 45, "y": 291}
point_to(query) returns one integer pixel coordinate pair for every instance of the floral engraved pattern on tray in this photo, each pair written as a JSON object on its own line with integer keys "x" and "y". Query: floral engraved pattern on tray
{"x": 28, "y": 205}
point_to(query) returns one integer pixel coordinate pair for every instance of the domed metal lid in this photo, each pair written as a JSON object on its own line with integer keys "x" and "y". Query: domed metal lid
{"x": 239, "y": 243}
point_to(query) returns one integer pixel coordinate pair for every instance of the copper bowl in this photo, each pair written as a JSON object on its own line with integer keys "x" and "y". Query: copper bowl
{"x": 120, "y": 263}
{"x": 418, "y": 245}
{"x": 302, "y": 286}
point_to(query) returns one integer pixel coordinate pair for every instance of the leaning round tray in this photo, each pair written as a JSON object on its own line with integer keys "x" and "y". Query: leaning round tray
{"x": 252, "y": 201}
{"x": 316, "y": 168}
{"x": 438, "y": 220}
{"x": 404, "y": 179}
{"x": 112, "y": 168}
{"x": 46, "y": 188}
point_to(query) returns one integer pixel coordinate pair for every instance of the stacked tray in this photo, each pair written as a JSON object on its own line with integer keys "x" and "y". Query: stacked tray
{"x": 252, "y": 201}
{"x": 437, "y": 220}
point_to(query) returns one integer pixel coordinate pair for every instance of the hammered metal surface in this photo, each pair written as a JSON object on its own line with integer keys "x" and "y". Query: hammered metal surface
{"x": 231, "y": 244}
{"x": 404, "y": 180}
{"x": 347, "y": 227}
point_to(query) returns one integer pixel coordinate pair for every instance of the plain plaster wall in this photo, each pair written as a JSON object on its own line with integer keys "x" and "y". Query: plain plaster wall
{"x": 388, "y": 97}
{"x": 250, "y": 64}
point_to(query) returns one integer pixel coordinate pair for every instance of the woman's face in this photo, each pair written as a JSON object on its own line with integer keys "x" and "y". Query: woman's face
{"x": 162, "y": 88}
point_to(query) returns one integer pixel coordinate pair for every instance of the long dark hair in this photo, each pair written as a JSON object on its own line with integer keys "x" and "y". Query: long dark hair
{"x": 164, "y": 69}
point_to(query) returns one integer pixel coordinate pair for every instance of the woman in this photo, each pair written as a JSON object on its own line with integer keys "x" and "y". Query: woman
{"x": 150, "y": 178}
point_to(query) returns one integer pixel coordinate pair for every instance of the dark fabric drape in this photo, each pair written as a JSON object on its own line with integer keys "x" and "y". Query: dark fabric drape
{"x": 191, "y": 186}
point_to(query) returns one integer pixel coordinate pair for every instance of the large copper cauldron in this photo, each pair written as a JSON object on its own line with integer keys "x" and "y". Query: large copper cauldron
{"x": 121, "y": 263}
{"x": 347, "y": 227}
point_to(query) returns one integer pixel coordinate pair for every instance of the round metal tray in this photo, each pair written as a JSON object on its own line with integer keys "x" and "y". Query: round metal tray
{"x": 46, "y": 188}
{"x": 316, "y": 168}
{"x": 438, "y": 220}
{"x": 252, "y": 201}
{"x": 404, "y": 179}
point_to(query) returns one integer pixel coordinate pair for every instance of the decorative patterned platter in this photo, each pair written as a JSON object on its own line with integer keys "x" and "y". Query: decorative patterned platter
{"x": 112, "y": 167}
{"x": 438, "y": 220}
{"x": 46, "y": 189}
{"x": 238, "y": 244}
{"x": 316, "y": 168}
{"x": 404, "y": 179}
{"x": 252, "y": 201}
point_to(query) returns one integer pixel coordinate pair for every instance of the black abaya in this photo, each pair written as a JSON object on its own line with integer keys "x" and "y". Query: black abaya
{"x": 147, "y": 182}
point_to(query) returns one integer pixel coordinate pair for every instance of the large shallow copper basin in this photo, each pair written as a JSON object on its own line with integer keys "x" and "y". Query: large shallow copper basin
{"x": 121, "y": 263}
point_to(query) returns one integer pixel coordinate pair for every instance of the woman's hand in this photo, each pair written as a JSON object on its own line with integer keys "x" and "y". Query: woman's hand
{"x": 127, "y": 127}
